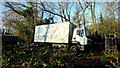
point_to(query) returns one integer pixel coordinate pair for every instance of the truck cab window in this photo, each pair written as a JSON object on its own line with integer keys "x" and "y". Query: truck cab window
{"x": 80, "y": 33}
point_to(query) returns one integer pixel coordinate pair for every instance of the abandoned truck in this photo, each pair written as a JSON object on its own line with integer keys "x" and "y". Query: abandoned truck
{"x": 63, "y": 35}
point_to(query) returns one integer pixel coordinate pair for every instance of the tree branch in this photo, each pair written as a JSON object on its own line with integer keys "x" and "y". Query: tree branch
{"x": 18, "y": 12}
{"x": 55, "y": 14}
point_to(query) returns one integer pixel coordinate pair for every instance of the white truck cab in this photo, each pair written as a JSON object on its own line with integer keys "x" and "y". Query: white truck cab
{"x": 81, "y": 35}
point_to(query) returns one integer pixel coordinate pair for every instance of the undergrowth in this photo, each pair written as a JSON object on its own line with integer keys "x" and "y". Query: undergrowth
{"x": 32, "y": 56}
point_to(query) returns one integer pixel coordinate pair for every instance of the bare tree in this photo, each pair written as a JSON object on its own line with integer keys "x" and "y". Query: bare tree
{"x": 111, "y": 9}
{"x": 21, "y": 19}
{"x": 60, "y": 9}
{"x": 83, "y": 7}
{"x": 92, "y": 8}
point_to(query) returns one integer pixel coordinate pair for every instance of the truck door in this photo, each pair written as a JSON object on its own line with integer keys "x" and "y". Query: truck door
{"x": 82, "y": 37}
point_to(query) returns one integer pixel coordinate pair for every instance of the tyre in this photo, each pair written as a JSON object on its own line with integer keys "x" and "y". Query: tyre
{"x": 74, "y": 49}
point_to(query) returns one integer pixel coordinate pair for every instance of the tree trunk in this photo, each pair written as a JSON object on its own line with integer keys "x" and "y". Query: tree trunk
{"x": 92, "y": 7}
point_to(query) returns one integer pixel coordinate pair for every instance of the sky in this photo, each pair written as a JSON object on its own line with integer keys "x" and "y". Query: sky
{"x": 99, "y": 6}
{"x": 1, "y": 8}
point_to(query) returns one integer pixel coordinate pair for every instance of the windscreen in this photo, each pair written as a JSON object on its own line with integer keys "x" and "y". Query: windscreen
{"x": 80, "y": 33}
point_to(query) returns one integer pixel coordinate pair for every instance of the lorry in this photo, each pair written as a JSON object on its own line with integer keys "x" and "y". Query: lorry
{"x": 63, "y": 35}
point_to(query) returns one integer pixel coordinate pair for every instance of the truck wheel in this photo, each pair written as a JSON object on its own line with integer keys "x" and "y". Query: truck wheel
{"x": 74, "y": 49}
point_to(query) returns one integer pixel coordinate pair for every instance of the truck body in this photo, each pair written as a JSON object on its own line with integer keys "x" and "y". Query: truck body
{"x": 62, "y": 33}
{"x": 53, "y": 33}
